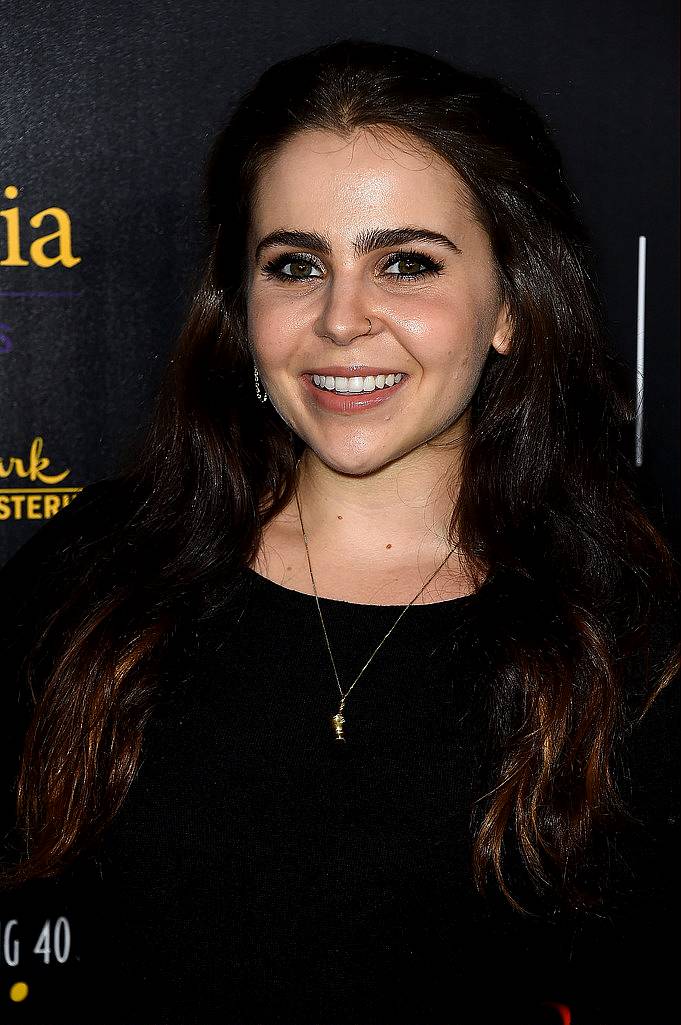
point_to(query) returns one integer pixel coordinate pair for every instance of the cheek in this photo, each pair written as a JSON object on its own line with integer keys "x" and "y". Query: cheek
{"x": 451, "y": 335}
{"x": 453, "y": 304}
{"x": 273, "y": 329}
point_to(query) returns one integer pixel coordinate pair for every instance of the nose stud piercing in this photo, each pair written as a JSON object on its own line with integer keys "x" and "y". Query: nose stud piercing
{"x": 260, "y": 392}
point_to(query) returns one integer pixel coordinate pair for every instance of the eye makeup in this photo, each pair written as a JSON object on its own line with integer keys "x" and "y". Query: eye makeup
{"x": 275, "y": 267}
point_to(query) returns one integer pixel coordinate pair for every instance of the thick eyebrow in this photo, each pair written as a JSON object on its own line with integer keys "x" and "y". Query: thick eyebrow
{"x": 365, "y": 242}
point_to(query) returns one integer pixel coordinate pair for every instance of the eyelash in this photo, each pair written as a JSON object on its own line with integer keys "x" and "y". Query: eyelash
{"x": 273, "y": 269}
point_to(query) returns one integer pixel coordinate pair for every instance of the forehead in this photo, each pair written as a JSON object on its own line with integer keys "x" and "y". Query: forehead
{"x": 370, "y": 175}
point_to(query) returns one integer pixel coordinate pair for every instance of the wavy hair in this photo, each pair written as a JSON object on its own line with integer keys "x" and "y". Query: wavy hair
{"x": 546, "y": 497}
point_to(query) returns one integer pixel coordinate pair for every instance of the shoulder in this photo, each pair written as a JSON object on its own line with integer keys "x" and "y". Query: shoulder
{"x": 34, "y": 583}
{"x": 647, "y": 763}
{"x": 650, "y": 677}
{"x": 42, "y": 568}
{"x": 649, "y": 666}
{"x": 93, "y": 513}
{"x": 39, "y": 575}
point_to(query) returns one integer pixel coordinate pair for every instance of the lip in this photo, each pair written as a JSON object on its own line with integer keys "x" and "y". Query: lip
{"x": 347, "y": 403}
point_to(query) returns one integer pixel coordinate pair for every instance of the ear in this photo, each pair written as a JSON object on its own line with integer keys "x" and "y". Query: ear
{"x": 502, "y": 332}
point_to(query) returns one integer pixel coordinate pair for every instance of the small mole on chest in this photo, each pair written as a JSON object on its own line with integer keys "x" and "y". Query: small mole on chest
{"x": 388, "y": 546}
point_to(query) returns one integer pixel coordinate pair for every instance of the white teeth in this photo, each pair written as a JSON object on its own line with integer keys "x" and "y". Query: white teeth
{"x": 356, "y": 385}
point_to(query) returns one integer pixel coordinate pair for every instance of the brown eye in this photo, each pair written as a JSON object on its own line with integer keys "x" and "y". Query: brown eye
{"x": 407, "y": 266}
{"x": 411, "y": 266}
{"x": 292, "y": 268}
{"x": 300, "y": 269}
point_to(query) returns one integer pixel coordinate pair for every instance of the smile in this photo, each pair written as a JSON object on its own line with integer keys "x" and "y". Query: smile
{"x": 356, "y": 385}
{"x": 342, "y": 394}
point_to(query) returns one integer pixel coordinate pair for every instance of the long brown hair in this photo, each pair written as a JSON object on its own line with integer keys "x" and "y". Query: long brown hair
{"x": 546, "y": 498}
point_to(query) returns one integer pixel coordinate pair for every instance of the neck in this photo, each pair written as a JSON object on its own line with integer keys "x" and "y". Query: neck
{"x": 374, "y": 538}
{"x": 405, "y": 506}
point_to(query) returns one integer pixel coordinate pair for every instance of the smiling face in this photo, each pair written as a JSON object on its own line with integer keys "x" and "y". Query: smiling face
{"x": 366, "y": 262}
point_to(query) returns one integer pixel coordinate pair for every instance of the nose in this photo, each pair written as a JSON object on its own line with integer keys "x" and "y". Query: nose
{"x": 344, "y": 317}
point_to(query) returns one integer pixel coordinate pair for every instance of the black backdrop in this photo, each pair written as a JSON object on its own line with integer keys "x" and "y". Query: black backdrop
{"x": 107, "y": 114}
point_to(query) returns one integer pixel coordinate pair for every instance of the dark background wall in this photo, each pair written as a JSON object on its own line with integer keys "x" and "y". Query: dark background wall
{"x": 107, "y": 114}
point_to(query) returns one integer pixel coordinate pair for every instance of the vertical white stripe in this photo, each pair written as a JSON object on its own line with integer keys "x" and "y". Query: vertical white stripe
{"x": 640, "y": 346}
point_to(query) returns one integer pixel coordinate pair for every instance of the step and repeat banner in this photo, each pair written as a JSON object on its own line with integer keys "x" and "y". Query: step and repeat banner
{"x": 107, "y": 114}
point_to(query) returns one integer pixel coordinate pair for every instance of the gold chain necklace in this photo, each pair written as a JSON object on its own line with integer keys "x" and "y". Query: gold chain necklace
{"x": 338, "y": 719}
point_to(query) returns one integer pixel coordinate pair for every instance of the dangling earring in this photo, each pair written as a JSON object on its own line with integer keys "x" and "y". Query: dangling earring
{"x": 261, "y": 393}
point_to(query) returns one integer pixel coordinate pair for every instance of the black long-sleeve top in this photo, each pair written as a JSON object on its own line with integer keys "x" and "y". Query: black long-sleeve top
{"x": 261, "y": 871}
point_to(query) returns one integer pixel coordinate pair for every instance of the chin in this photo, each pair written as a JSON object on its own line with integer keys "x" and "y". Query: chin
{"x": 354, "y": 464}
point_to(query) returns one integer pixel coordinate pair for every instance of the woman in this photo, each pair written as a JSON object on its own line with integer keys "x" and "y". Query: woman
{"x": 334, "y": 709}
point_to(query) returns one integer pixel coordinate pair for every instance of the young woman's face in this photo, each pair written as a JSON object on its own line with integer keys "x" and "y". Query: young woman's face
{"x": 366, "y": 263}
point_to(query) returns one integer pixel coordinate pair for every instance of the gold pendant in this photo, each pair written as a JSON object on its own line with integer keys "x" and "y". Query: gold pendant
{"x": 338, "y": 721}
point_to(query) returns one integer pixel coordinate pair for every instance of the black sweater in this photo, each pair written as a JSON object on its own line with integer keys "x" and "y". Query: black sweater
{"x": 261, "y": 871}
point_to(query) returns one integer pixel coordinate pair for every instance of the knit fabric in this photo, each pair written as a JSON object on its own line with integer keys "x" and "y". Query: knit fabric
{"x": 261, "y": 871}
